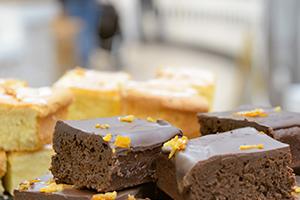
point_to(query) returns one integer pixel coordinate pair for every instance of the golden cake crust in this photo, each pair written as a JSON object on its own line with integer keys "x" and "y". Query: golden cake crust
{"x": 168, "y": 94}
{"x": 44, "y": 100}
{"x": 92, "y": 80}
{"x": 193, "y": 75}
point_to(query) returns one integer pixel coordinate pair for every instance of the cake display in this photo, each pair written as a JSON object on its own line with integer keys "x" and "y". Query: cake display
{"x": 97, "y": 94}
{"x": 281, "y": 125}
{"x": 28, "y": 116}
{"x": 241, "y": 164}
{"x": 203, "y": 81}
{"x": 98, "y": 135}
{"x": 26, "y": 165}
{"x": 165, "y": 99}
{"x": 108, "y": 154}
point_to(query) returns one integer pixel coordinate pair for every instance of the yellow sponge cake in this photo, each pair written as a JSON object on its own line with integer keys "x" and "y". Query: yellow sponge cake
{"x": 165, "y": 99}
{"x": 28, "y": 116}
{"x": 202, "y": 80}
{"x": 12, "y": 83}
{"x": 2, "y": 169}
{"x": 97, "y": 94}
{"x": 26, "y": 166}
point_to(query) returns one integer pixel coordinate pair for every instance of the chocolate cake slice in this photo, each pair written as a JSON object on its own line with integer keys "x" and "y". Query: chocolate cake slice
{"x": 240, "y": 164}
{"x": 281, "y": 125}
{"x": 108, "y": 154}
{"x": 44, "y": 188}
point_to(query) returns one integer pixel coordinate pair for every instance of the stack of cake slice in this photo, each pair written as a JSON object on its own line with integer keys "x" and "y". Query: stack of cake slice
{"x": 107, "y": 158}
{"x": 281, "y": 125}
{"x": 28, "y": 116}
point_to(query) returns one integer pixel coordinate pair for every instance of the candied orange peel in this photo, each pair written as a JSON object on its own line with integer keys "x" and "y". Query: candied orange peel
{"x": 150, "y": 119}
{"x": 107, "y": 137}
{"x": 52, "y": 187}
{"x": 122, "y": 141}
{"x": 105, "y": 196}
{"x": 258, "y": 112}
{"x": 128, "y": 118}
{"x": 255, "y": 146}
{"x": 176, "y": 144}
{"x": 102, "y": 126}
{"x": 131, "y": 197}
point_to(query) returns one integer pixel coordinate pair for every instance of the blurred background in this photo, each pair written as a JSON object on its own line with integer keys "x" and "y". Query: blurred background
{"x": 252, "y": 46}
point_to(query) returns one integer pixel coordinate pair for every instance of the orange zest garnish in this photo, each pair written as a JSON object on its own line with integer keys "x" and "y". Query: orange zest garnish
{"x": 102, "y": 126}
{"x": 255, "y": 146}
{"x": 128, "y": 118}
{"x": 253, "y": 113}
{"x": 122, "y": 141}
{"x": 107, "y": 137}
{"x": 52, "y": 187}
{"x": 176, "y": 144}
{"x": 106, "y": 196}
{"x": 150, "y": 119}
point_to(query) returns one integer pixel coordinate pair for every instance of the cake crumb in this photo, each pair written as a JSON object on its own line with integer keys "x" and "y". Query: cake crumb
{"x": 258, "y": 112}
{"x": 277, "y": 109}
{"x": 128, "y": 118}
{"x": 113, "y": 150}
{"x": 106, "y": 196}
{"x": 107, "y": 137}
{"x": 131, "y": 197}
{"x": 52, "y": 187}
{"x": 255, "y": 146}
{"x": 150, "y": 119}
{"x": 102, "y": 126}
{"x": 176, "y": 144}
{"x": 122, "y": 141}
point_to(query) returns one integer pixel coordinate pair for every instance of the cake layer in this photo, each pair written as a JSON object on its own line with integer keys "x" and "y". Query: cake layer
{"x": 26, "y": 165}
{"x": 28, "y": 116}
{"x": 241, "y": 164}
{"x": 97, "y": 94}
{"x": 202, "y": 80}
{"x": 281, "y": 125}
{"x": 3, "y": 163}
{"x": 164, "y": 99}
{"x": 108, "y": 154}
{"x": 67, "y": 192}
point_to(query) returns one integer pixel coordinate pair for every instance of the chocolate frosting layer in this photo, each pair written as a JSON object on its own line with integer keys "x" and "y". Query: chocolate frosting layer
{"x": 207, "y": 147}
{"x": 143, "y": 134}
{"x": 274, "y": 119}
{"x": 70, "y": 193}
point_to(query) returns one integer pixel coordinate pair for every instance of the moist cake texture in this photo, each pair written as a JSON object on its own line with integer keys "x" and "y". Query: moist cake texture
{"x": 108, "y": 154}
{"x": 26, "y": 165}
{"x": 281, "y": 125}
{"x": 221, "y": 167}
{"x": 28, "y": 116}
{"x": 96, "y": 93}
